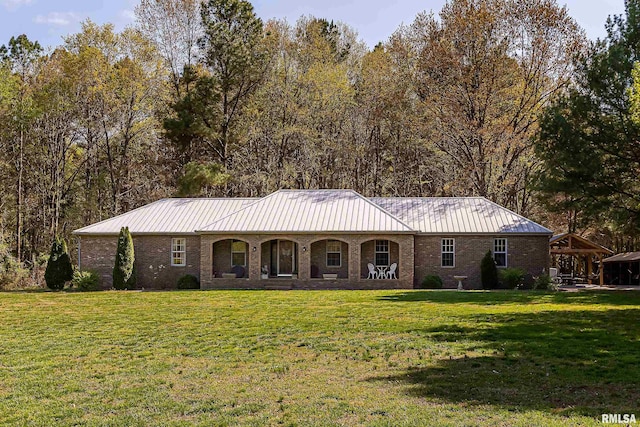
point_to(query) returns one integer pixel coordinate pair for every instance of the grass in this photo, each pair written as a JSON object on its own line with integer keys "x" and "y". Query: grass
{"x": 380, "y": 358}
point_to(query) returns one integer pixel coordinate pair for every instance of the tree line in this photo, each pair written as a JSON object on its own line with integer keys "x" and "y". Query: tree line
{"x": 206, "y": 99}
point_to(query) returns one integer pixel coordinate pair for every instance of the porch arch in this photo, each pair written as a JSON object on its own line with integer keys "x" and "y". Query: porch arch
{"x": 325, "y": 259}
{"x": 381, "y": 252}
{"x": 230, "y": 256}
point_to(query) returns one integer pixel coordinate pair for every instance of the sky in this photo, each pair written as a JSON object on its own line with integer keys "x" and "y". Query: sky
{"x": 48, "y": 21}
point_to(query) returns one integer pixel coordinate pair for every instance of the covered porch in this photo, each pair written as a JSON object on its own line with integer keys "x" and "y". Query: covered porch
{"x": 307, "y": 261}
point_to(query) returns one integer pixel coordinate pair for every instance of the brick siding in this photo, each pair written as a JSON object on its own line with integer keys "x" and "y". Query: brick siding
{"x": 416, "y": 256}
{"x": 531, "y": 253}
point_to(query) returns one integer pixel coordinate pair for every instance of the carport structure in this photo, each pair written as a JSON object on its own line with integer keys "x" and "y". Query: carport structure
{"x": 580, "y": 249}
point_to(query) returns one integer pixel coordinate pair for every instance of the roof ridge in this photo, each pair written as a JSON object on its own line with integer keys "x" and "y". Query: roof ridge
{"x": 358, "y": 195}
{"x": 260, "y": 199}
{"x": 386, "y": 212}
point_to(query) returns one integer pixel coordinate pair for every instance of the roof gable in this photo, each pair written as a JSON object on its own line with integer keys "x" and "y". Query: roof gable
{"x": 297, "y": 211}
{"x": 441, "y": 215}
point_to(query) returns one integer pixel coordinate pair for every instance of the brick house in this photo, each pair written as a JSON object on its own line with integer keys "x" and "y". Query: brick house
{"x": 320, "y": 239}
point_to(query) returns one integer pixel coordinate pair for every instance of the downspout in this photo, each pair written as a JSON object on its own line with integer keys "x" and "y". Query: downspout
{"x": 79, "y": 244}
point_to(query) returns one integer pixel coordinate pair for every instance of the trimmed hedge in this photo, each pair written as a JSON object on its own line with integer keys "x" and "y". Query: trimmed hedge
{"x": 188, "y": 281}
{"x": 431, "y": 281}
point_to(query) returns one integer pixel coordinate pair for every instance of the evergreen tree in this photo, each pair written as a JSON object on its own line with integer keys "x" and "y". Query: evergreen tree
{"x": 59, "y": 269}
{"x": 123, "y": 271}
{"x": 488, "y": 272}
{"x": 588, "y": 137}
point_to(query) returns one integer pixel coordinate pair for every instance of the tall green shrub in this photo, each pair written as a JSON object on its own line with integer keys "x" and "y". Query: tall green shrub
{"x": 488, "y": 272}
{"x": 59, "y": 269}
{"x": 123, "y": 271}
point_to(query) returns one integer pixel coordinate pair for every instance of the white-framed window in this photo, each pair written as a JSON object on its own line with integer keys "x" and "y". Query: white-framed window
{"x": 178, "y": 252}
{"x": 239, "y": 253}
{"x": 334, "y": 253}
{"x": 500, "y": 251}
{"x": 382, "y": 252}
{"x": 448, "y": 253}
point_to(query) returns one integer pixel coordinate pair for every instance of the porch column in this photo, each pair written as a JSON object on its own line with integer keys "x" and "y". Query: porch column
{"x": 254, "y": 259}
{"x": 304, "y": 259}
{"x": 206, "y": 261}
{"x": 354, "y": 259}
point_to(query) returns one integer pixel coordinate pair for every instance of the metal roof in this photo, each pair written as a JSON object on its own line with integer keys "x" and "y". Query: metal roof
{"x": 169, "y": 216}
{"x": 624, "y": 257}
{"x": 300, "y": 211}
{"x": 442, "y": 215}
{"x": 296, "y": 211}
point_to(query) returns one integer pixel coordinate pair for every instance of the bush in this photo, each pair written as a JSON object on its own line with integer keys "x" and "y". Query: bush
{"x": 431, "y": 281}
{"x": 124, "y": 276}
{"x": 86, "y": 281}
{"x": 188, "y": 281}
{"x": 488, "y": 272}
{"x": 543, "y": 283}
{"x": 512, "y": 277}
{"x": 59, "y": 269}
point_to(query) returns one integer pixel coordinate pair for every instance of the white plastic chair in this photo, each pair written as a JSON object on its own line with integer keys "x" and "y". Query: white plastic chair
{"x": 372, "y": 272}
{"x": 391, "y": 274}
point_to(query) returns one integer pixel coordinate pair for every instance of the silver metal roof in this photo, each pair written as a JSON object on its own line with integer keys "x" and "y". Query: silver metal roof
{"x": 169, "y": 216}
{"x": 300, "y": 211}
{"x": 442, "y": 215}
{"x": 296, "y": 211}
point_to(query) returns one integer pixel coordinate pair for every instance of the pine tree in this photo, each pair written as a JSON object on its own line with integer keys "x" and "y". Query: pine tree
{"x": 123, "y": 271}
{"x": 488, "y": 272}
{"x": 59, "y": 269}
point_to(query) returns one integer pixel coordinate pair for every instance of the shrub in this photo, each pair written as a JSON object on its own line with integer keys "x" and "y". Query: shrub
{"x": 488, "y": 272}
{"x": 543, "y": 283}
{"x": 59, "y": 269}
{"x": 431, "y": 281}
{"x": 124, "y": 276}
{"x": 512, "y": 277}
{"x": 188, "y": 281}
{"x": 86, "y": 281}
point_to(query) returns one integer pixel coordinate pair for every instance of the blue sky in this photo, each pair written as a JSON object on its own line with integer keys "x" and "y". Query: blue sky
{"x": 48, "y": 21}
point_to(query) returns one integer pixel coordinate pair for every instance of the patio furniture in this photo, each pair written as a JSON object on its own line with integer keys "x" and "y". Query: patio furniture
{"x": 372, "y": 271}
{"x": 238, "y": 270}
{"x": 391, "y": 274}
{"x": 330, "y": 276}
{"x": 382, "y": 272}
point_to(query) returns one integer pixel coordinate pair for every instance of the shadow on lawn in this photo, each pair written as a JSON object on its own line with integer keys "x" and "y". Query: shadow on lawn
{"x": 510, "y": 297}
{"x": 564, "y": 362}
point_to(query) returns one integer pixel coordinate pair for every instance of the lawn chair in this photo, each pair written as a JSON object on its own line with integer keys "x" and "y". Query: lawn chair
{"x": 372, "y": 271}
{"x": 553, "y": 274}
{"x": 391, "y": 274}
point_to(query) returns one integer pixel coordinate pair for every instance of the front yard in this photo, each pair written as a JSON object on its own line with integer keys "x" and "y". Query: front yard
{"x": 386, "y": 358}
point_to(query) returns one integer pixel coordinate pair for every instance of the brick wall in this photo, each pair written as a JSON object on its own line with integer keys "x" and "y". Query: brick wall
{"x": 319, "y": 259}
{"x": 153, "y": 259}
{"x": 531, "y": 253}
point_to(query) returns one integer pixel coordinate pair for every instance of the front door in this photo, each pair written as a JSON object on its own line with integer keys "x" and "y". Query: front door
{"x": 286, "y": 257}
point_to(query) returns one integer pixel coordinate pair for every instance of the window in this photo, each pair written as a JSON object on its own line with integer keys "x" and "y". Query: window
{"x": 382, "y": 252}
{"x": 448, "y": 253}
{"x": 238, "y": 253}
{"x": 500, "y": 252}
{"x": 334, "y": 253}
{"x": 178, "y": 252}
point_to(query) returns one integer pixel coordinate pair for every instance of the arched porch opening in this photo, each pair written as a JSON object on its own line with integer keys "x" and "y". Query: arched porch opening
{"x": 329, "y": 259}
{"x": 230, "y": 259}
{"x": 383, "y": 255}
{"x": 279, "y": 258}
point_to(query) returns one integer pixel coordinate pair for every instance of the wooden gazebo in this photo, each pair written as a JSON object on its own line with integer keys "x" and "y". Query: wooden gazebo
{"x": 582, "y": 250}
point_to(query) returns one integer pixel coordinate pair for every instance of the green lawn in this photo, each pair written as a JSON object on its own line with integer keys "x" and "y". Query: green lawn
{"x": 384, "y": 358}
